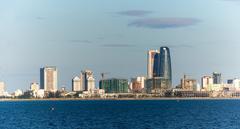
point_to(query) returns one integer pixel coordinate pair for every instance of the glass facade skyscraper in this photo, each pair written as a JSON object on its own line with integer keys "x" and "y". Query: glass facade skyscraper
{"x": 162, "y": 64}
{"x": 156, "y": 65}
{"x": 150, "y": 63}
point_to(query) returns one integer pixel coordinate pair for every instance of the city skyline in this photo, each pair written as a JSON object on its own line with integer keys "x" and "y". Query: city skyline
{"x": 114, "y": 37}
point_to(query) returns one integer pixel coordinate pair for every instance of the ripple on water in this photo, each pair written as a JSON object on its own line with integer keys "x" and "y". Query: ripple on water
{"x": 151, "y": 114}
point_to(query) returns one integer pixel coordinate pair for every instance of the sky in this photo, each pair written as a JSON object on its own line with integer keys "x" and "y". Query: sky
{"x": 114, "y": 37}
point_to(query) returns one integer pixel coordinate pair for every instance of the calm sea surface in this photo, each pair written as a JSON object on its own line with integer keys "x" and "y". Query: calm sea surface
{"x": 110, "y": 114}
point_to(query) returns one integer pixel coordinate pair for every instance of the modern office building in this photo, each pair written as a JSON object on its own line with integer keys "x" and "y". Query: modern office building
{"x": 114, "y": 85}
{"x": 88, "y": 82}
{"x": 217, "y": 78}
{"x": 150, "y": 62}
{"x": 157, "y": 84}
{"x": 206, "y": 82}
{"x": 162, "y": 65}
{"x": 48, "y": 78}
{"x": 77, "y": 83}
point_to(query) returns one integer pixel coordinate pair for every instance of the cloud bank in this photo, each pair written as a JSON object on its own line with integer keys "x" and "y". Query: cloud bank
{"x": 76, "y": 41}
{"x": 117, "y": 45}
{"x": 40, "y": 18}
{"x": 164, "y": 23}
{"x": 180, "y": 46}
{"x": 136, "y": 13}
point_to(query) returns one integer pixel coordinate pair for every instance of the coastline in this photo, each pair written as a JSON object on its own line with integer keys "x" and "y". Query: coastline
{"x": 119, "y": 99}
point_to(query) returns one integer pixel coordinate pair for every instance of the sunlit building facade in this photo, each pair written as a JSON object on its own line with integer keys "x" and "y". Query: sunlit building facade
{"x": 206, "y": 82}
{"x": 150, "y": 62}
{"x": 77, "y": 83}
{"x": 88, "y": 80}
{"x": 48, "y": 78}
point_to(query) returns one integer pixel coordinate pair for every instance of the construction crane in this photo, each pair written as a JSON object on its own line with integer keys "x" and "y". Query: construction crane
{"x": 103, "y": 75}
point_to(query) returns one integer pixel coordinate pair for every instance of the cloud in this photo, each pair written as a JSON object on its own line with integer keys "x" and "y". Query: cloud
{"x": 135, "y": 13}
{"x": 76, "y": 41}
{"x": 181, "y": 46}
{"x": 164, "y": 23}
{"x": 21, "y": 74}
{"x": 100, "y": 38}
{"x": 118, "y": 45}
{"x": 40, "y": 18}
{"x": 171, "y": 45}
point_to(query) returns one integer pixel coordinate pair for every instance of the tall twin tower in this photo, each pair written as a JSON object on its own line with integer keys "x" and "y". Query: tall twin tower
{"x": 159, "y": 64}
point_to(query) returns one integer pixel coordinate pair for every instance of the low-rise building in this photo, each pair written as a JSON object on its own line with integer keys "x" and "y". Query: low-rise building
{"x": 40, "y": 93}
{"x": 215, "y": 87}
{"x": 18, "y": 93}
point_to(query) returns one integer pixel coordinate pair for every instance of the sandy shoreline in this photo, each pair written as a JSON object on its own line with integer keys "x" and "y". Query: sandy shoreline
{"x": 81, "y": 99}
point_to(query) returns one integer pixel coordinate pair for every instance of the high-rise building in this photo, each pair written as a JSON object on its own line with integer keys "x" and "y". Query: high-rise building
{"x": 162, "y": 65}
{"x": 77, "y": 83}
{"x": 206, "y": 82}
{"x": 88, "y": 80}
{"x": 150, "y": 62}
{"x": 114, "y": 85}
{"x": 48, "y": 78}
{"x": 217, "y": 78}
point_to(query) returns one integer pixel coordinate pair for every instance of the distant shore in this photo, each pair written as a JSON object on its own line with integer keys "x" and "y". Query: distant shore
{"x": 162, "y": 98}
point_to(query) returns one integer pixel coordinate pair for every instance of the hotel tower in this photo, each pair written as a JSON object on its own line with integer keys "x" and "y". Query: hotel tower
{"x": 48, "y": 78}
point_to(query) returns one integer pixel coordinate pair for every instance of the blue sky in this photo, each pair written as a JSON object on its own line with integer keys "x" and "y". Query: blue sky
{"x": 114, "y": 36}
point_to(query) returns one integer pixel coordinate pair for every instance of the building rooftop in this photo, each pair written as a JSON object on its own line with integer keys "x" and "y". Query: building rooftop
{"x": 76, "y": 78}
